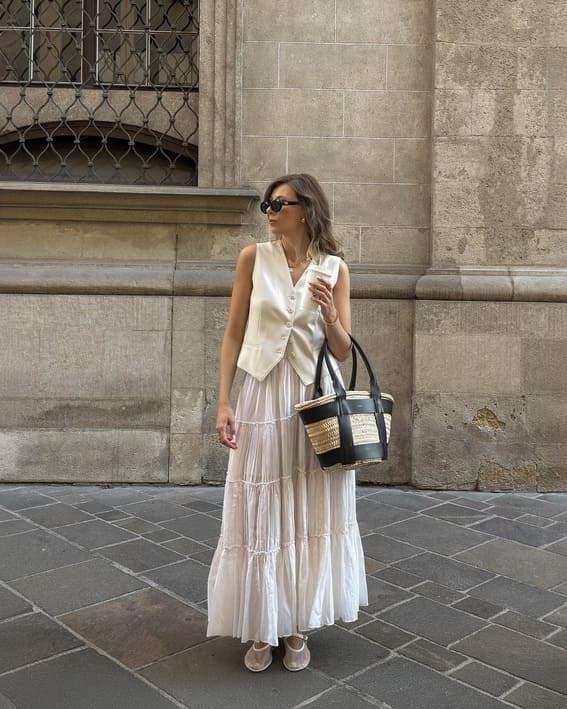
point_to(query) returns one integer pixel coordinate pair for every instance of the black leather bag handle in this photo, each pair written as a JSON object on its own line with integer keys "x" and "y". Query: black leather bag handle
{"x": 347, "y": 444}
{"x": 323, "y": 355}
{"x": 338, "y": 387}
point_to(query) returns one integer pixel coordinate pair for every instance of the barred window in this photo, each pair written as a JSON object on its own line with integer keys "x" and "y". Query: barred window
{"x": 95, "y": 88}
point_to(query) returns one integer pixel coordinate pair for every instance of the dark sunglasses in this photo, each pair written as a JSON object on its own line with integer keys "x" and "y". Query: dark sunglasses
{"x": 275, "y": 205}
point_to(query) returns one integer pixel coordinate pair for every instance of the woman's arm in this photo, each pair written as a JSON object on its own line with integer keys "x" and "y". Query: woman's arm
{"x": 232, "y": 342}
{"x": 335, "y": 310}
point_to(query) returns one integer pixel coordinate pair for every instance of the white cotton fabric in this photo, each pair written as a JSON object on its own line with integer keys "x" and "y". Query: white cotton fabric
{"x": 289, "y": 557}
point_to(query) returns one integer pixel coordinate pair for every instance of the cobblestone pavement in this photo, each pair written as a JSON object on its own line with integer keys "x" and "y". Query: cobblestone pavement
{"x": 103, "y": 605}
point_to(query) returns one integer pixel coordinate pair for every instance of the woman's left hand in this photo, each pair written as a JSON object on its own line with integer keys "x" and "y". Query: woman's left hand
{"x": 322, "y": 294}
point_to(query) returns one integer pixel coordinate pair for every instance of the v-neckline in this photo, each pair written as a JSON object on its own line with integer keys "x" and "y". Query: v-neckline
{"x": 290, "y": 276}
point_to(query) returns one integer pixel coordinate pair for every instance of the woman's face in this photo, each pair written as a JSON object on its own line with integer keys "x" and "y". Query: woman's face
{"x": 288, "y": 219}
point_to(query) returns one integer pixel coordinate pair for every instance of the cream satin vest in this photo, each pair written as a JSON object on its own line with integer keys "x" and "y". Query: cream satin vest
{"x": 282, "y": 320}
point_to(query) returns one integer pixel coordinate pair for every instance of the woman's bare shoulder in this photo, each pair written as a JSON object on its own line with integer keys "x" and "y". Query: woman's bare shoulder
{"x": 248, "y": 253}
{"x": 247, "y": 256}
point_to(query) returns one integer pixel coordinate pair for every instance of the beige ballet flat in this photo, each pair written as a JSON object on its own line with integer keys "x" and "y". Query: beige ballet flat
{"x": 296, "y": 660}
{"x": 258, "y": 659}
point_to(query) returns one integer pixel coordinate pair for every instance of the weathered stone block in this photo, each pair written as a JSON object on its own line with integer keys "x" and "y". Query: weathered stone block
{"x": 434, "y": 469}
{"x": 452, "y": 112}
{"x": 560, "y": 160}
{"x": 557, "y": 23}
{"x": 492, "y": 318}
{"x": 384, "y": 21}
{"x": 396, "y": 205}
{"x": 410, "y": 68}
{"x": 188, "y": 346}
{"x": 84, "y": 455}
{"x": 490, "y": 67}
{"x": 459, "y": 437}
{"x": 349, "y": 237}
{"x": 459, "y": 245}
{"x": 333, "y": 66}
{"x": 558, "y": 113}
{"x": 116, "y": 242}
{"x": 35, "y": 412}
{"x": 134, "y": 364}
{"x": 553, "y": 479}
{"x": 214, "y": 457}
{"x": 186, "y": 459}
{"x": 390, "y": 352}
{"x": 394, "y": 245}
{"x": 298, "y": 22}
{"x": 557, "y": 207}
{"x": 197, "y": 242}
{"x": 412, "y": 160}
{"x": 548, "y": 248}
{"x": 344, "y": 159}
{"x": 388, "y": 114}
{"x": 142, "y": 455}
{"x": 301, "y": 111}
{"x": 488, "y": 22}
{"x": 260, "y": 65}
{"x": 494, "y": 415}
{"x": 187, "y": 410}
{"x": 263, "y": 158}
{"x": 499, "y": 245}
{"x": 468, "y": 363}
{"x": 504, "y": 112}
{"x": 556, "y": 68}
{"x": 498, "y": 478}
{"x": 544, "y": 366}
{"x": 545, "y": 418}
{"x": 457, "y": 203}
{"x": 552, "y": 476}
{"x": 25, "y": 239}
{"x": 512, "y": 160}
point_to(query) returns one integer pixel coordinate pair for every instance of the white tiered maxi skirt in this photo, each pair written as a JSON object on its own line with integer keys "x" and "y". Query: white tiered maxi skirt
{"x": 289, "y": 557}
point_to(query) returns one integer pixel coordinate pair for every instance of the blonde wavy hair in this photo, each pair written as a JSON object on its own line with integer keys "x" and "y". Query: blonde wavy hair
{"x": 316, "y": 212}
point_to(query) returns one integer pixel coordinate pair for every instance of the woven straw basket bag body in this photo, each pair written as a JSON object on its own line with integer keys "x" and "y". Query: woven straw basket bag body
{"x": 348, "y": 429}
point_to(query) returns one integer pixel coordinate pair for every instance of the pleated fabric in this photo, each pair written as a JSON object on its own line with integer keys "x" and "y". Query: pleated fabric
{"x": 289, "y": 558}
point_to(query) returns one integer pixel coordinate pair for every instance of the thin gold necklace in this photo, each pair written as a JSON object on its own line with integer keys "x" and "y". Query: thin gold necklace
{"x": 293, "y": 266}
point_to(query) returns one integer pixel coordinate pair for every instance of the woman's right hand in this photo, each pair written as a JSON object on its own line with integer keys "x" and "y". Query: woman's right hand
{"x": 226, "y": 427}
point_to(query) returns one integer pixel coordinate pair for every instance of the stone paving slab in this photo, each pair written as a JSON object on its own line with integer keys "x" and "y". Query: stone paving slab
{"x": 524, "y": 657}
{"x": 139, "y": 628}
{"x": 82, "y": 680}
{"x": 33, "y": 637}
{"x": 12, "y": 605}
{"x": 33, "y": 552}
{"x": 523, "y": 563}
{"x": 403, "y": 684}
{"x": 84, "y": 584}
{"x": 103, "y": 604}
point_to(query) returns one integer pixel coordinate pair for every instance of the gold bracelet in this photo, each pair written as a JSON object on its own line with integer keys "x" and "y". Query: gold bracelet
{"x": 332, "y": 322}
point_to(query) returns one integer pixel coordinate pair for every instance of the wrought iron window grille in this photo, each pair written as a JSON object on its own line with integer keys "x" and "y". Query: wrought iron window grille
{"x": 99, "y": 90}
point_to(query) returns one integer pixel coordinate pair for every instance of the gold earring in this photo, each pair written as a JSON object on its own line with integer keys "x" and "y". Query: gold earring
{"x": 302, "y": 220}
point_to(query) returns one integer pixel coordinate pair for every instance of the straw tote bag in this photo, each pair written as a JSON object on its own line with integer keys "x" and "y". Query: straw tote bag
{"x": 348, "y": 429}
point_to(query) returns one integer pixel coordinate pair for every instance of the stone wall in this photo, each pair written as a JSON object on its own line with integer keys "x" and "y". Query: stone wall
{"x": 439, "y": 132}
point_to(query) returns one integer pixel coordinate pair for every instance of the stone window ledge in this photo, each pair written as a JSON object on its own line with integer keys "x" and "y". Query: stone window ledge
{"x": 124, "y": 203}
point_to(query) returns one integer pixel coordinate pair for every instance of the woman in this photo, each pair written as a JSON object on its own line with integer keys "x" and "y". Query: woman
{"x": 289, "y": 557}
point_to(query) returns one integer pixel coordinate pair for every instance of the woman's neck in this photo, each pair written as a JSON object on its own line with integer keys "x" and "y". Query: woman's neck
{"x": 295, "y": 247}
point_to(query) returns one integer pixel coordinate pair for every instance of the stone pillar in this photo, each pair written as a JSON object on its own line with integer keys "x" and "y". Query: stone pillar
{"x": 491, "y": 321}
